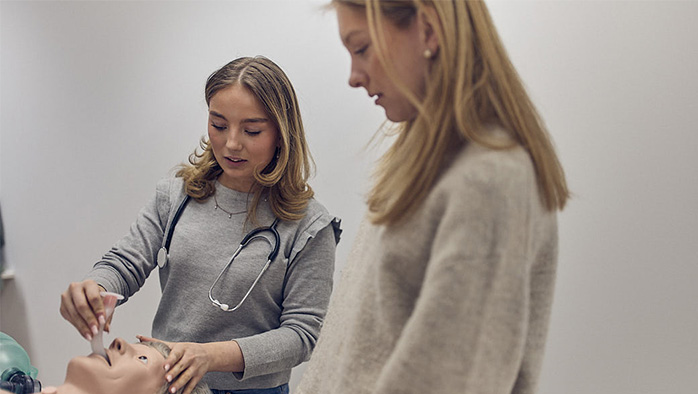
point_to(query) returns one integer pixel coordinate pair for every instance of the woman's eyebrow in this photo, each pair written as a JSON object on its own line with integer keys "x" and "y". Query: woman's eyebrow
{"x": 255, "y": 120}
{"x": 216, "y": 114}
{"x": 248, "y": 120}
{"x": 349, "y": 37}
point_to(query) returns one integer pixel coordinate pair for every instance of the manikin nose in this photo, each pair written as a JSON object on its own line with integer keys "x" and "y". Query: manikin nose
{"x": 119, "y": 345}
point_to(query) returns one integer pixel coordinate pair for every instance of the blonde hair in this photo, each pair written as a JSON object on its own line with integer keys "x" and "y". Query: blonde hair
{"x": 285, "y": 178}
{"x": 472, "y": 84}
{"x": 200, "y": 388}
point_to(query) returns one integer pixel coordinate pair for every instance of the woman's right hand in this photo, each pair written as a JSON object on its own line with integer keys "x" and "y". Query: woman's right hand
{"x": 82, "y": 306}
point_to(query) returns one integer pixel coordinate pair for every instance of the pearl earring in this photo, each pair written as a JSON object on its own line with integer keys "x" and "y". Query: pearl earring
{"x": 428, "y": 54}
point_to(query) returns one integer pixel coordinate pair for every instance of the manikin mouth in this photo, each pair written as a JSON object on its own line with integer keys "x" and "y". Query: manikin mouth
{"x": 106, "y": 358}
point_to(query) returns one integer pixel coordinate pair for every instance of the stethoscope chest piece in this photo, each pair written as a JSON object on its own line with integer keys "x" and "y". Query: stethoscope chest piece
{"x": 162, "y": 257}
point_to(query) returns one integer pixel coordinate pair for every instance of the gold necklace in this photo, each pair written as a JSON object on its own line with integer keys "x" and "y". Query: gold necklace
{"x": 230, "y": 214}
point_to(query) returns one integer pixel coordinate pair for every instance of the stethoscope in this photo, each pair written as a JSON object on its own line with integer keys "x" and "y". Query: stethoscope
{"x": 163, "y": 256}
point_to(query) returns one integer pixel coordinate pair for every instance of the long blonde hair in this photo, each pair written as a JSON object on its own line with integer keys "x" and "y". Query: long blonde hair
{"x": 471, "y": 84}
{"x": 285, "y": 179}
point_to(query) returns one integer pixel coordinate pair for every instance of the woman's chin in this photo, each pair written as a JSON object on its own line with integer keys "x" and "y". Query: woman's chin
{"x": 397, "y": 115}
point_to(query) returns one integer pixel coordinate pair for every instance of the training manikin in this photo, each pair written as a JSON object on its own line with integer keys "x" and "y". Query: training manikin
{"x": 131, "y": 368}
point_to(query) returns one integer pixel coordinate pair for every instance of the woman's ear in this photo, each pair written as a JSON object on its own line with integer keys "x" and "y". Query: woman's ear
{"x": 429, "y": 25}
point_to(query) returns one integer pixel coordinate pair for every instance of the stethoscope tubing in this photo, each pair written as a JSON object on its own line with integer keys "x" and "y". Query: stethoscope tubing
{"x": 163, "y": 254}
{"x": 247, "y": 239}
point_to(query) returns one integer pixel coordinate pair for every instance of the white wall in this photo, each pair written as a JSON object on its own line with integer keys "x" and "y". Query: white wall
{"x": 98, "y": 100}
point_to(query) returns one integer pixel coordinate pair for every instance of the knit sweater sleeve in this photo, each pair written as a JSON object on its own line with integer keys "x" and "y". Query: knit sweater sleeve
{"x": 467, "y": 333}
{"x": 130, "y": 261}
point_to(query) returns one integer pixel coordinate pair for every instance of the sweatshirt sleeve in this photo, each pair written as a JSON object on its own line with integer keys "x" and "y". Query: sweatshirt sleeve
{"x": 307, "y": 290}
{"x": 468, "y": 330}
{"x": 127, "y": 265}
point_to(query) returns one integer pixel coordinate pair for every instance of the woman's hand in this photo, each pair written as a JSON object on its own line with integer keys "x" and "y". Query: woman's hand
{"x": 186, "y": 365}
{"x": 82, "y": 306}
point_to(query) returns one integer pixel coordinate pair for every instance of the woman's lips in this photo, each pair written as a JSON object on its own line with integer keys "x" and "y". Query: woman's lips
{"x": 235, "y": 161}
{"x": 376, "y": 97}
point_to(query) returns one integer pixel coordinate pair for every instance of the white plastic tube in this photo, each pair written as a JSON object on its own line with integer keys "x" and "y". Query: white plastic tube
{"x": 109, "y": 300}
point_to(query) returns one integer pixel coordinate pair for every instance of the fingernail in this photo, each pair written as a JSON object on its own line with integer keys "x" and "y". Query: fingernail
{"x": 167, "y": 367}
{"x": 94, "y": 329}
{"x": 87, "y": 336}
{"x": 169, "y": 378}
{"x": 173, "y": 389}
{"x": 102, "y": 320}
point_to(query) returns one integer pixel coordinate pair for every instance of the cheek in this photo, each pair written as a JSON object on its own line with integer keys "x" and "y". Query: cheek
{"x": 147, "y": 379}
{"x": 213, "y": 136}
{"x": 267, "y": 148}
{"x": 215, "y": 141}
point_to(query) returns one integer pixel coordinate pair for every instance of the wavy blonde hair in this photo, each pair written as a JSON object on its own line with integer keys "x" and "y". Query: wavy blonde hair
{"x": 285, "y": 179}
{"x": 471, "y": 84}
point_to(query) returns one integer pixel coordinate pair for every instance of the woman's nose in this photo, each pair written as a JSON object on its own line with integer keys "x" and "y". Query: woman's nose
{"x": 233, "y": 140}
{"x": 119, "y": 345}
{"x": 357, "y": 78}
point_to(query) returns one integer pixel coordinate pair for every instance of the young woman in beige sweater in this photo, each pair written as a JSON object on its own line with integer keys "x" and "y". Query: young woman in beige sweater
{"x": 450, "y": 283}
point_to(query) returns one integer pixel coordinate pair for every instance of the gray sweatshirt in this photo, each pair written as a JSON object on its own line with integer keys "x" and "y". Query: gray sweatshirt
{"x": 453, "y": 300}
{"x": 279, "y": 323}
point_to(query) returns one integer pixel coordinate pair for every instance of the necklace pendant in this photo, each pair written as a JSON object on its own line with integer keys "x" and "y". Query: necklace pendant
{"x": 230, "y": 214}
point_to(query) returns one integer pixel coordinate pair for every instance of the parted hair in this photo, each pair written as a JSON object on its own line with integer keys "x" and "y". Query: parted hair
{"x": 471, "y": 86}
{"x": 285, "y": 179}
{"x": 200, "y": 388}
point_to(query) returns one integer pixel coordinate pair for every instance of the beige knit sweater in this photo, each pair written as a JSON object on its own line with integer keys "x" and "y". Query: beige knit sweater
{"x": 456, "y": 299}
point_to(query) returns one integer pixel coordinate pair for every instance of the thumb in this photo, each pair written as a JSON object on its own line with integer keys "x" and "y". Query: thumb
{"x": 107, "y": 326}
{"x": 143, "y": 338}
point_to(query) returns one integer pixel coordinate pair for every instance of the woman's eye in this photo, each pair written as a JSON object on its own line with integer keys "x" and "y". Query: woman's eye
{"x": 143, "y": 359}
{"x": 217, "y": 127}
{"x": 361, "y": 50}
{"x": 253, "y": 132}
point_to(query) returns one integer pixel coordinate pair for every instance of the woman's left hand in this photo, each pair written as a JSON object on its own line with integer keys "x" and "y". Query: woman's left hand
{"x": 186, "y": 365}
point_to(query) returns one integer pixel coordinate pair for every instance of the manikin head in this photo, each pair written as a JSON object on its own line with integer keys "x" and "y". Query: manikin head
{"x": 136, "y": 368}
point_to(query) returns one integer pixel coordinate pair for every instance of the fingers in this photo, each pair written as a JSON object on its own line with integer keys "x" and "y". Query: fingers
{"x": 187, "y": 379}
{"x": 70, "y": 314}
{"x": 186, "y": 366}
{"x": 190, "y": 386}
{"x": 107, "y": 326}
{"x": 143, "y": 338}
{"x": 174, "y": 368}
{"x": 171, "y": 362}
{"x": 81, "y": 305}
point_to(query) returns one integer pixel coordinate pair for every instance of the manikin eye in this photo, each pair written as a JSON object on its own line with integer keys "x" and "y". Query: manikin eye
{"x": 143, "y": 359}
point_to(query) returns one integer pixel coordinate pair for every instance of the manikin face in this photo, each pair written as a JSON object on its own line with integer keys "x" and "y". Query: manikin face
{"x": 404, "y": 51}
{"x": 242, "y": 136}
{"x": 132, "y": 368}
